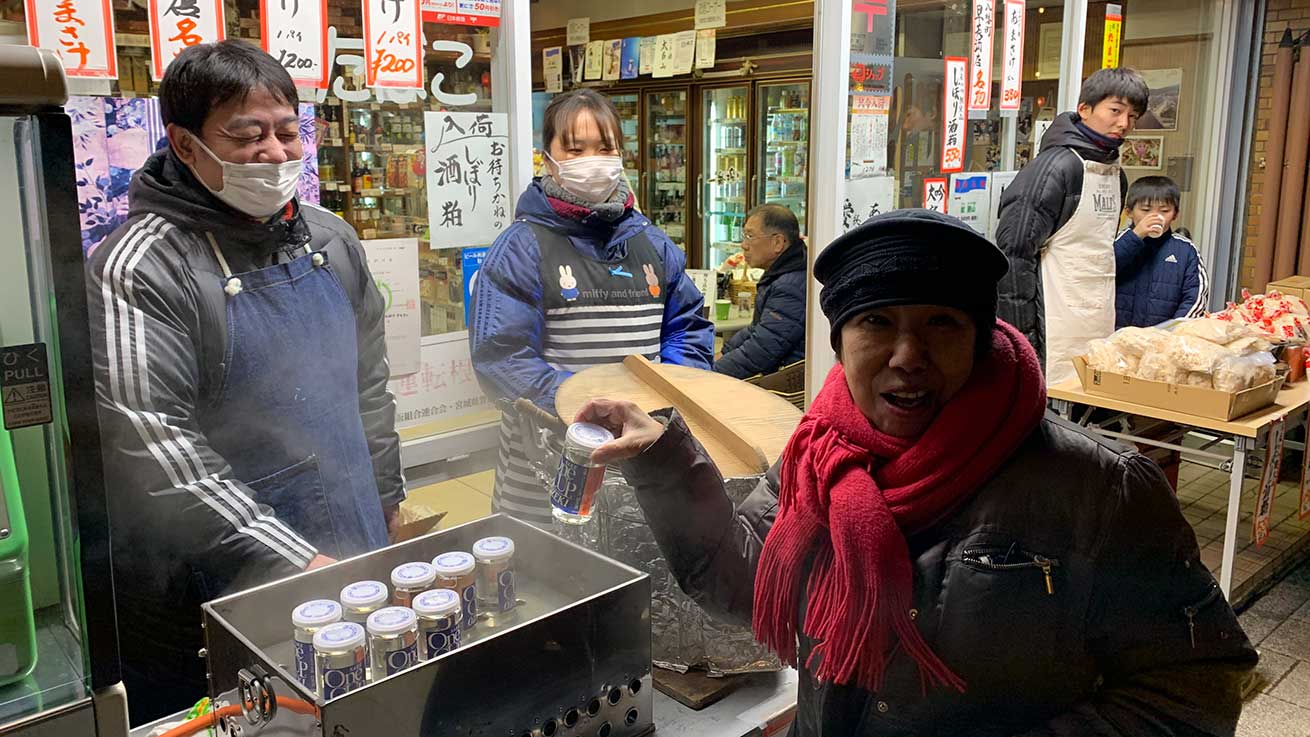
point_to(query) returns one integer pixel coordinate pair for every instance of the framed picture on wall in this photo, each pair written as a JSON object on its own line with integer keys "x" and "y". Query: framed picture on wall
{"x": 1142, "y": 152}
{"x": 1162, "y": 111}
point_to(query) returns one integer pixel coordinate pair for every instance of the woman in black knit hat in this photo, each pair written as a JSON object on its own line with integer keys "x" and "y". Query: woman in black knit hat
{"x": 934, "y": 553}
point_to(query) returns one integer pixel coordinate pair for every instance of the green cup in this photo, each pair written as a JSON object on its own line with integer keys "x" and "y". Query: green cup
{"x": 721, "y": 309}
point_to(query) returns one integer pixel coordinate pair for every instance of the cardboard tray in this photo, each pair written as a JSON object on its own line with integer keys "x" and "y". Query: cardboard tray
{"x": 1191, "y": 400}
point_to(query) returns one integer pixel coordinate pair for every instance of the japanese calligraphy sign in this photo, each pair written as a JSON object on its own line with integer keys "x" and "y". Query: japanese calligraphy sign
{"x": 1114, "y": 23}
{"x": 467, "y": 177}
{"x": 981, "y": 24}
{"x": 865, "y": 198}
{"x": 953, "y": 124}
{"x": 934, "y": 194}
{"x": 1264, "y": 501}
{"x": 1012, "y": 58}
{"x": 663, "y": 64}
{"x": 443, "y": 388}
{"x": 868, "y": 134}
{"x": 295, "y": 33}
{"x": 177, "y": 24}
{"x": 970, "y": 200}
{"x": 394, "y": 264}
{"x": 393, "y": 44}
{"x": 81, "y": 32}
{"x": 462, "y": 12}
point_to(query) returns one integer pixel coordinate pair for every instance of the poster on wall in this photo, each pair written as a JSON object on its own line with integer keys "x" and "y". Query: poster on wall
{"x": 467, "y": 177}
{"x": 684, "y": 51}
{"x": 1012, "y": 58}
{"x": 296, "y": 35}
{"x": 552, "y": 68}
{"x": 178, "y": 24}
{"x": 1166, "y": 86}
{"x": 394, "y": 263}
{"x": 711, "y": 14}
{"x": 868, "y": 135}
{"x": 471, "y": 259}
{"x": 646, "y": 55}
{"x": 865, "y": 198}
{"x": 595, "y": 60}
{"x": 953, "y": 122}
{"x": 80, "y": 32}
{"x": 1142, "y": 152}
{"x": 981, "y": 23}
{"x": 705, "y": 41}
{"x": 630, "y": 57}
{"x": 612, "y": 60}
{"x": 443, "y": 388}
{"x": 484, "y": 13}
{"x": 970, "y": 200}
{"x": 578, "y": 32}
{"x": 393, "y": 44}
{"x": 934, "y": 194}
{"x": 663, "y": 64}
{"x": 1000, "y": 180}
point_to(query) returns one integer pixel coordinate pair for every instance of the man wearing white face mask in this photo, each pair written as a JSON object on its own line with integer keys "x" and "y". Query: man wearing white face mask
{"x": 241, "y": 366}
{"x": 579, "y": 279}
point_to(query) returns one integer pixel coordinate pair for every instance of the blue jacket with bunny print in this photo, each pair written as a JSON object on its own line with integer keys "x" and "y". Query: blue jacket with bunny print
{"x": 508, "y": 318}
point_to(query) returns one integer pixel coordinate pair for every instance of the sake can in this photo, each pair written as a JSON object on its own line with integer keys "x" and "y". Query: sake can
{"x": 578, "y": 479}
{"x": 455, "y": 571}
{"x": 307, "y": 619}
{"x": 392, "y": 641}
{"x": 362, "y": 598}
{"x": 408, "y": 579}
{"x": 340, "y": 659}
{"x": 495, "y": 559}
{"x": 439, "y": 613}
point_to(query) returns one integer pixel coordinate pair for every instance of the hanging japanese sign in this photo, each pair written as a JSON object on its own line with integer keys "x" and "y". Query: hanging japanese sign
{"x": 1114, "y": 21}
{"x": 552, "y": 68}
{"x": 579, "y": 32}
{"x": 81, "y": 32}
{"x": 711, "y": 14}
{"x": 646, "y": 55}
{"x": 663, "y": 63}
{"x": 611, "y": 59}
{"x": 295, "y": 33}
{"x": 953, "y": 123}
{"x": 705, "y": 42}
{"x": 865, "y": 198}
{"x": 684, "y": 51}
{"x": 467, "y": 177}
{"x": 868, "y": 134}
{"x": 934, "y": 194}
{"x": 178, "y": 24}
{"x": 1012, "y": 64}
{"x": 1264, "y": 502}
{"x": 462, "y": 12}
{"x": 595, "y": 59}
{"x": 394, "y": 264}
{"x": 873, "y": 36}
{"x": 970, "y": 200}
{"x": 393, "y": 44}
{"x": 980, "y": 57}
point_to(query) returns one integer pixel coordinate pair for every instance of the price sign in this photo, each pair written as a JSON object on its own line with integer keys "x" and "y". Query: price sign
{"x": 1012, "y": 66}
{"x": 81, "y": 32}
{"x": 980, "y": 55}
{"x": 953, "y": 123}
{"x": 934, "y": 194}
{"x": 179, "y": 24}
{"x": 295, "y": 33}
{"x": 393, "y": 44}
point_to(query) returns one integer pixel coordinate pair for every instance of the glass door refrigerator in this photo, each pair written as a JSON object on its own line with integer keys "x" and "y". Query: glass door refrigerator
{"x": 59, "y": 664}
{"x": 722, "y": 182}
{"x": 782, "y": 164}
{"x": 628, "y": 105}
{"x": 666, "y": 162}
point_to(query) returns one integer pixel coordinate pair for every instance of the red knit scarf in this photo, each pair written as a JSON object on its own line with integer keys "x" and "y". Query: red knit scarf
{"x": 850, "y": 495}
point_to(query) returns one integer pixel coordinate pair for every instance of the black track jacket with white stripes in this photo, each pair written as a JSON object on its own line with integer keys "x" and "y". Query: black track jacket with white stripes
{"x": 181, "y": 524}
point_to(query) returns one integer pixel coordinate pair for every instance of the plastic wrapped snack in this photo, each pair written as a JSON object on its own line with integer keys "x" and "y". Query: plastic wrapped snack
{"x": 1221, "y": 332}
{"x": 1102, "y": 355}
{"x": 1247, "y": 346}
{"x": 1239, "y": 373}
{"x": 1194, "y": 354}
{"x": 1161, "y": 366}
{"x": 1137, "y": 342}
{"x": 1200, "y": 378}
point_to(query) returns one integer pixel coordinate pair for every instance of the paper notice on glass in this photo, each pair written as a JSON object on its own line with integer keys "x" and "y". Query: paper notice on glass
{"x": 613, "y": 58}
{"x": 1012, "y": 53}
{"x": 684, "y": 51}
{"x": 467, "y": 177}
{"x": 704, "y": 279}
{"x": 664, "y": 46}
{"x": 1000, "y": 180}
{"x": 865, "y": 198}
{"x": 80, "y": 32}
{"x": 595, "y": 59}
{"x": 646, "y": 54}
{"x": 297, "y": 37}
{"x": 970, "y": 200}
{"x": 394, "y": 263}
{"x": 868, "y": 134}
{"x": 934, "y": 194}
{"x": 552, "y": 68}
{"x": 711, "y": 14}
{"x": 954, "y": 126}
{"x": 981, "y": 23}
{"x": 179, "y": 24}
{"x": 579, "y": 32}
{"x": 705, "y": 41}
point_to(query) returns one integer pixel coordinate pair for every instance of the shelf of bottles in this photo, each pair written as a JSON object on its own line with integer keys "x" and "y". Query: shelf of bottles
{"x": 725, "y": 171}
{"x": 630, "y": 121}
{"x": 666, "y": 163}
{"x": 784, "y": 112}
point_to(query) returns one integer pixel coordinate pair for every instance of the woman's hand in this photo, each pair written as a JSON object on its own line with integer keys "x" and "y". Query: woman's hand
{"x": 634, "y": 430}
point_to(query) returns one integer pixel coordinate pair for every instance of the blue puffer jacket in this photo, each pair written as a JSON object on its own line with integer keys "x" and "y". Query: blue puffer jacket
{"x": 776, "y": 336}
{"x": 506, "y": 340}
{"x": 1158, "y": 279}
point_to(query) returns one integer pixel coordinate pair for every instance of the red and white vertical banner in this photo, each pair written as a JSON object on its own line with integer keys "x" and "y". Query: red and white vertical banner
{"x": 1264, "y": 502}
{"x": 953, "y": 123}
{"x": 393, "y": 43}
{"x": 981, "y": 25}
{"x": 178, "y": 24}
{"x": 1012, "y": 56}
{"x": 1303, "y": 507}
{"x": 295, "y": 33}
{"x": 934, "y": 194}
{"x": 81, "y": 32}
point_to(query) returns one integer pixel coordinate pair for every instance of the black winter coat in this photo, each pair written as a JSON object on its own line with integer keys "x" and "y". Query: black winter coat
{"x": 1040, "y": 200}
{"x": 776, "y": 336}
{"x": 1129, "y": 635}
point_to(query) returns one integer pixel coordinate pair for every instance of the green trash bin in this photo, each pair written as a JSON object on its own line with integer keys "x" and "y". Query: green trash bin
{"x": 17, "y": 623}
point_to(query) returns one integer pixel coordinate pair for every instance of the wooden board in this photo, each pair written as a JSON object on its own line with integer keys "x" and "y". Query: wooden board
{"x": 694, "y": 689}
{"x": 765, "y": 420}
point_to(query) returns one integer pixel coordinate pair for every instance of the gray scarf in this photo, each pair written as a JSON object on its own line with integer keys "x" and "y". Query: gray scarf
{"x": 609, "y": 210}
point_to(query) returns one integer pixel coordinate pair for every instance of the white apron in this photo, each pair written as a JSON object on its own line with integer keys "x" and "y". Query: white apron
{"x": 1078, "y": 272}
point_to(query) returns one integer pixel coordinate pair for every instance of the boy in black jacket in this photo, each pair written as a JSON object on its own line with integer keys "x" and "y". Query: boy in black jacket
{"x": 1160, "y": 272}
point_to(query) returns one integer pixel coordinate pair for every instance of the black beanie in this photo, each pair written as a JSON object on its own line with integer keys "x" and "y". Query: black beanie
{"x": 910, "y": 257}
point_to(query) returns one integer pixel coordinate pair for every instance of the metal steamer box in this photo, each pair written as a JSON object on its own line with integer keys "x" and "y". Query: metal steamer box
{"x": 572, "y": 658}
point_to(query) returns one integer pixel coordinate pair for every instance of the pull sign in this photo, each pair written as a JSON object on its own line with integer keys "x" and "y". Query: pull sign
{"x": 25, "y": 385}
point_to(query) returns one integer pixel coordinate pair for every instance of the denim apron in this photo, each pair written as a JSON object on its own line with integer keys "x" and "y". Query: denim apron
{"x": 287, "y": 414}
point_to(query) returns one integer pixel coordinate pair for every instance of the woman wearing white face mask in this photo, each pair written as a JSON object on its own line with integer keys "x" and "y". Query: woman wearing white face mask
{"x": 579, "y": 279}
{"x": 240, "y": 356}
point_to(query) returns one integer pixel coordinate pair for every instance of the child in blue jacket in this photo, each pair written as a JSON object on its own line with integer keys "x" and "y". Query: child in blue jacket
{"x": 1159, "y": 272}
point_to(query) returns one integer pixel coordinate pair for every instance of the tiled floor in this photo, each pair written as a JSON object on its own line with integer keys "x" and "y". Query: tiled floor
{"x": 1278, "y": 623}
